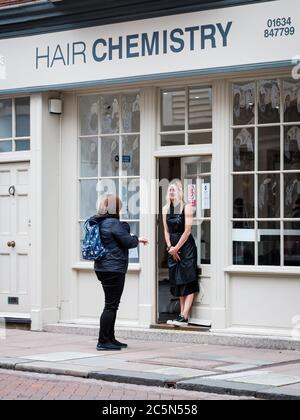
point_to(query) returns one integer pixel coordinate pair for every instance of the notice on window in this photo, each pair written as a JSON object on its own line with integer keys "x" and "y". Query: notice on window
{"x": 192, "y": 195}
{"x": 133, "y": 253}
{"x": 205, "y": 196}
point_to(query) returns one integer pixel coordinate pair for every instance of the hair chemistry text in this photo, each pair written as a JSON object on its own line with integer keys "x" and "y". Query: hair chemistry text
{"x": 193, "y": 38}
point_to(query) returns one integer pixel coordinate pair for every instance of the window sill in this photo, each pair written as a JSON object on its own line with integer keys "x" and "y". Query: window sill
{"x": 278, "y": 271}
{"x": 89, "y": 266}
{"x": 15, "y": 156}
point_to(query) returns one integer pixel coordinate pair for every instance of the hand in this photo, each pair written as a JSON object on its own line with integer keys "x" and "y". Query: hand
{"x": 172, "y": 251}
{"x": 144, "y": 241}
{"x": 176, "y": 257}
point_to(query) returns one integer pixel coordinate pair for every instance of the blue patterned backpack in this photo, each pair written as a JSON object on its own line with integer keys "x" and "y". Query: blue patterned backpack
{"x": 92, "y": 248}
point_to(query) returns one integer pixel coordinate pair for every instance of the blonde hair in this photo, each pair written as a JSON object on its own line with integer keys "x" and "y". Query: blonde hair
{"x": 178, "y": 185}
{"x": 110, "y": 204}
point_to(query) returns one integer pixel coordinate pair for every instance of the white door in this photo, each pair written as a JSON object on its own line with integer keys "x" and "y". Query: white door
{"x": 14, "y": 240}
{"x": 196, "y": 178}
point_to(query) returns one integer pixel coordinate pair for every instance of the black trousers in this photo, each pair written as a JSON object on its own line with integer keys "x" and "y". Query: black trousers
{"x": 113, "y": 286}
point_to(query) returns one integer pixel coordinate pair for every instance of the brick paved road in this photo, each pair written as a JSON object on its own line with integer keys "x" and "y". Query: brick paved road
{"x": 29, "y": 386}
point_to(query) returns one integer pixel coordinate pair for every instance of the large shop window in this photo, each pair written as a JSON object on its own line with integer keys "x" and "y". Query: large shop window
{"x": 109, "y": 155}
{"x": 186, "y": 116}
{"x": 266, "y": 172}
{"x": 14, "y": 124}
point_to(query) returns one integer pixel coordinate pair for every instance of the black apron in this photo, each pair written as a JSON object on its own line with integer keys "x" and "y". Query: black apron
{"x": 184, "y": 271}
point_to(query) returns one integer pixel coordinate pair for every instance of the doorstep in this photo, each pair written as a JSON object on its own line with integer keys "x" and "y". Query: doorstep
{"x": 184, "y": 335}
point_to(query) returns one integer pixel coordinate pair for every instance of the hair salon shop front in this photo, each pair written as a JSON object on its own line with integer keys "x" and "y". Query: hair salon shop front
{"x": 210, "y": 97}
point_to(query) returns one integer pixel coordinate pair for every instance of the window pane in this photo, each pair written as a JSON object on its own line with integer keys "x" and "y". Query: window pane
{"x": 292, "y": 244}
{"x": 173, "y": 110}
{"x": 110, "y": 156}
{"x": 243, "y": 196}
{"x": 89, "y": 157}
{"x": 88, "y": 115}
{"x": 131, "y": 113}
{"x": 110, "y": 114}
{"x": 269, "y": 149}
{"x": 130, "y": 198}
{"x": 243, "y": 103}
{"x": 22, "y": 117}
{"x": 200, "y": 108}
{"x": 108, "y": 186}
{"x": 268, "y": 243}
{"x": 291, "y": 95}
{"x": 88, "y": 198}
{"x": 5, "y": 118}
{"x": 134, "y": 253}
{"x": 81, "y": 230}
{"x": 292, "y": 195}
{"x": 243, "y": 150}
{"x": 201, "y": 234}
{"x": 5, "y": 146}
{"x": 131, "y": 155}
{"x": 22, "y": 145}
{"x": 268, "y": 102}
{"x": 243, "y": 236}
{"x": 292, "y": 148}
{"x": 200, "y": 138}
{"x": 269, "y": 196}
{"x": 205, "y": 242}
{"x": 204, "y": 184}
{"x": 173, "y": 140}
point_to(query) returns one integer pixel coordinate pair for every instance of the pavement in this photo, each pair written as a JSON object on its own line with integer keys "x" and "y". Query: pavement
{"x": 236, "y": 371}
{"x": 36, "y": 386}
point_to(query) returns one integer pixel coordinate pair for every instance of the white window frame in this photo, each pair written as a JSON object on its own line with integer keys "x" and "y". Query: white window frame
{"x": 15, "y": 153}
{"x": 120, "y": 177}
{"x": 282, "y": 220}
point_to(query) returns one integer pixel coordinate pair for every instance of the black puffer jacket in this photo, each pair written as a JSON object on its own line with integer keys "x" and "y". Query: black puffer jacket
{"x": 117, "y": 240}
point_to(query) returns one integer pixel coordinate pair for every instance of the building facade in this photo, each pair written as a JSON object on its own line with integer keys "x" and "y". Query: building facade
{"x": 209, "y": 94}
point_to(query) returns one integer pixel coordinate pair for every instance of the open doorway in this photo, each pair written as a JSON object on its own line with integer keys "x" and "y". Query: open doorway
{"x": 195, "y": 174}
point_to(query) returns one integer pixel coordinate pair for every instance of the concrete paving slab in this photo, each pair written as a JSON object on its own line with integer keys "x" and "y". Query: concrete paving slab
{"x": 182, "y": 372}
{"x": 186, "y": 363}
{"x": 59, "y": 357}
{"x": 10, "y": 362}
{"x": 54, "y": 368}
{"x": 138, "y": 378}
{"x": 220, "y": 387}
{"x": 268, "y": 379}
{"x": 235, "y": 367}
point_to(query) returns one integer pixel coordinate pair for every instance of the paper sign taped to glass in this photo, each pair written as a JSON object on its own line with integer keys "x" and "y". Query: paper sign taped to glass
{"x": 205, "y": 196}
{"x": 134, "y": 253}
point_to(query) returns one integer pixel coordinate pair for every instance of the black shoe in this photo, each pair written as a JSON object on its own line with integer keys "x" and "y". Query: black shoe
{"x": 181, "y": 321}
{"x": 118, "y": 343}
{"x": 108, "y": 347}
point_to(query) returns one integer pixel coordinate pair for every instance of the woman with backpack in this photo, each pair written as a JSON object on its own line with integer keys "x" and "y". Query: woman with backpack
{"x": 112, "y": 267}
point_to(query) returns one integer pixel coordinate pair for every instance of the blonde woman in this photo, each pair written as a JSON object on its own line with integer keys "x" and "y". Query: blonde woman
{"x": 181, "y": 247}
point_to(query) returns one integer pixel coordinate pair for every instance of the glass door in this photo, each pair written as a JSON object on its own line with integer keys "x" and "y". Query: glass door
{"x": 196, "y": 178}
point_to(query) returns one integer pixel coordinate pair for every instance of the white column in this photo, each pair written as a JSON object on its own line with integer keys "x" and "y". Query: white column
{"x": 221, "y": 245}
{"x": 147, "y": 285}
{"x": 36, "y": 106}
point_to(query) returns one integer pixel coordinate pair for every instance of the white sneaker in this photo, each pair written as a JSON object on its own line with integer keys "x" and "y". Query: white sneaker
{"x": 181, "y": 322}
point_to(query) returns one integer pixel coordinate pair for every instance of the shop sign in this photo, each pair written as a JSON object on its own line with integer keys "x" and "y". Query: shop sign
{"x": 218, "y": 39}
